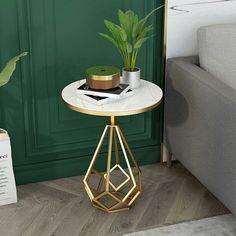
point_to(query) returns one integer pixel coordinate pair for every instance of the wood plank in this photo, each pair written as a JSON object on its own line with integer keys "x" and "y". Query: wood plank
{"x": 61, "y": 207}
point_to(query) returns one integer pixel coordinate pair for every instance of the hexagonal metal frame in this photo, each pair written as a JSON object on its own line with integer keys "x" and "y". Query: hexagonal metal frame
{"x": 123, "y": 183}
{"x": 125, "y": 200}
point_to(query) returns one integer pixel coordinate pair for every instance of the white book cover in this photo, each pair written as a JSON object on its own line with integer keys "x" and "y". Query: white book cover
{"x": 8, "y": 192}
{"x": 104, "y": 100}
{"x": 113, "y": 93}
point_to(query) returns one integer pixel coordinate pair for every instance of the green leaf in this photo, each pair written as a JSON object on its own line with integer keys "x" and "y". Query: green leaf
{"x": 117, "y": 32}
{"x": 139, "y": 27}
{"x": 122, "y": 33}
{"x": 127, "y": 20}
{"x": 135, "y": 20}
{"x": 140, "y": 42}
{"x": 135, "y": 27}
{"x": 109, "y": 38}
{"x": 8, "y": 70}
{"x": 129, "y": 47}
{"x": 145, "y": 30}
{"x": 112, "y": 29}
{"x": 130, "y": 21}
{"x": 144, "y": 20}
{"x": 123, "y": 20}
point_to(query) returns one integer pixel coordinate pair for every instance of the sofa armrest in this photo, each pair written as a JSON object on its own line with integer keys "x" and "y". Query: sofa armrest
{"x": 200, "y": 130}
{"x": 189, "y": 67}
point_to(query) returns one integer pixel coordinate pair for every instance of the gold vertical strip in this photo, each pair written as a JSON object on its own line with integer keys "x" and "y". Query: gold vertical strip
{"x": 165, "y": 28}
{"x": 109, "y": 159}
{"x": 165, "y": 34}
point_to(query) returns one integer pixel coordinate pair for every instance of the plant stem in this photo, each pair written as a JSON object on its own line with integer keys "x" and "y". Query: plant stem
{"x": 128, "y": 60}
{"x": 134, "y": 58}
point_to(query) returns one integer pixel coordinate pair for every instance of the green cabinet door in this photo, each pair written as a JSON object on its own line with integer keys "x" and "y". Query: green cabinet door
{"x": 48, "y": 139}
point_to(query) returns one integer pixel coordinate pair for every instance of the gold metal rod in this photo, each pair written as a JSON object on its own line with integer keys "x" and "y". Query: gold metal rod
{"x": 122, "y": 170}
{"x": 128, "y": 165}
{"x": 100, "y": 184}
{"x": 140, "y": 182}
{"x": 89, "y": 192}
{"x": 110, "y": 211}
{"x": 113, "y": 120}
{"x": 121, "y": 194}
{"x": 114, "y": 197}
{"x": 134, "y": 197}
{"x": 134, "y": 160}
{"x": 123, "y": 149}
{"x": 100, "y": 196}
{"x": 109, "y": 159}
{"x": 130, "y": 191}
{"x": 115, "y": 205}
{"x": 101, "y": 205}
{"x": 119, "y": 210}
{"x": 97, "y": 172}
{"x": 129, "y": 149}
{"x": 95, "y": 154}
{"x": 116, "y": 148}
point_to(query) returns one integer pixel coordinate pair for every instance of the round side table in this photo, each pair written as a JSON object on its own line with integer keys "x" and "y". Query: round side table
{"x": 122, "y": 195}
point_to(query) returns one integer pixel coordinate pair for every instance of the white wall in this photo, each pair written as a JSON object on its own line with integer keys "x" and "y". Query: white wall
{"x": 186, "y": 16}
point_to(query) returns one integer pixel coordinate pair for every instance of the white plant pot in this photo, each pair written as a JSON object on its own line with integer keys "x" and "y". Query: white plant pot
{"x": 131, "y": 77}
{"x": 8, "y": 187}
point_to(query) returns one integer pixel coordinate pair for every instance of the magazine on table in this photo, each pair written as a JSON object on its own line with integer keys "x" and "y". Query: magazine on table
{"x": 112, "y": 93}
{"x": 104, "y": 100}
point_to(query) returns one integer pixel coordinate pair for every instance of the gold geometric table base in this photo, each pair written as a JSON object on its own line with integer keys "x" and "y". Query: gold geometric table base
{"x": 106, "y": 194}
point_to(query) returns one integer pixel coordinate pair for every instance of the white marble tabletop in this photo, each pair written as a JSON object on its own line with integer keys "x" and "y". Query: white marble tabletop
{"x": 145, "y": 98}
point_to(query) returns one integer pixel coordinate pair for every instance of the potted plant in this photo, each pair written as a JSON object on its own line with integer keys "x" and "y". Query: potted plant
{"x": 9, "y": 190}
{"x": 128, "y": 37}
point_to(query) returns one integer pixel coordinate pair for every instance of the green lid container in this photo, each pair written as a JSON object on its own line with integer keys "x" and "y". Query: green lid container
{"x": 103, "y": 77}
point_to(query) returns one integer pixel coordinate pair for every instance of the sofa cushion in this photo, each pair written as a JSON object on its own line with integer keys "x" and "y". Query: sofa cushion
{"x": 217, "y": 51}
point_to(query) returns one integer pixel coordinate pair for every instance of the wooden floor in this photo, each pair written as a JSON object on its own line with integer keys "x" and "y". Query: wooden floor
{"x": 61, "y": 207}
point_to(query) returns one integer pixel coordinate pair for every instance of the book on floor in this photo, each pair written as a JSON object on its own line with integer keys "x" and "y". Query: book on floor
{"x": 113, "y": 93}
{"x": 103, "y": 100}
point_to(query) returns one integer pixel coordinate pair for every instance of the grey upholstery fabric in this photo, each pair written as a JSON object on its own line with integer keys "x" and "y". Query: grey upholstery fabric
{"x": 200, "y": 126}
{"x": 217, "y": 51}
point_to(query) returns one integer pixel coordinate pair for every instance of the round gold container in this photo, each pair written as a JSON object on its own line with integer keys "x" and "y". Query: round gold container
{"x": 102, "y": 77}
